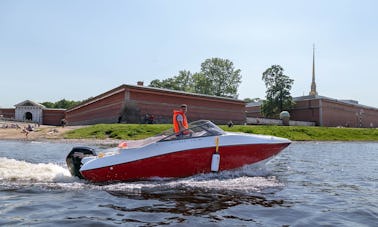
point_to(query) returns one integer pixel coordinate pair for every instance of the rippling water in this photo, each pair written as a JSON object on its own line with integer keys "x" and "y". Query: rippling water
{"x": 308, "y": 184}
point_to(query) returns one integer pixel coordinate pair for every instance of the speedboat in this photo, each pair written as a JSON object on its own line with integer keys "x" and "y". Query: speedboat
{"x": 207, "y": 148}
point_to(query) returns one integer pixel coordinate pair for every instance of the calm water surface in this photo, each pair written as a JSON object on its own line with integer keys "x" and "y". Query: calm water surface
{"x": 308, "y": 184}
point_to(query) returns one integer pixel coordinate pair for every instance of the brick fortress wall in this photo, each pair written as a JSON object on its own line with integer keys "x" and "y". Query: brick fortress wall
{"x": 108, "y": 107}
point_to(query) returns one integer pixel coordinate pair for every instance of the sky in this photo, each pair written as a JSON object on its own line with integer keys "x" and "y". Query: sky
{"x": 76, "y": 49}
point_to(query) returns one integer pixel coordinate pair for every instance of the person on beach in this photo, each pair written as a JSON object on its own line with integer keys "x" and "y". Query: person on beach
{"x": 26, "y": 131}
{"x": 63, "y": 122}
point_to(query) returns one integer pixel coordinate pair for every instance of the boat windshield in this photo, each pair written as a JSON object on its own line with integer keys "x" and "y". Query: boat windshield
{"x": 199, "y": 128}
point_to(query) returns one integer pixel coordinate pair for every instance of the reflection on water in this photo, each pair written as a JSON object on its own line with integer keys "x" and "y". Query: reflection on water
{"x": 183, "y": 201}
{"x": 193, "y": 201}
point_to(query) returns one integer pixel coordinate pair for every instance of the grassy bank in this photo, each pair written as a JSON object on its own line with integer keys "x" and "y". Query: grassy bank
{"x": 117, "y": 131}
{"x": 303, "y": 133}
{"x": 297, "y": 133}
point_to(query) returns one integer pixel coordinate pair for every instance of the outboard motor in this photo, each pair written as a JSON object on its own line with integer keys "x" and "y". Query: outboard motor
{"x": 73, "y": 159}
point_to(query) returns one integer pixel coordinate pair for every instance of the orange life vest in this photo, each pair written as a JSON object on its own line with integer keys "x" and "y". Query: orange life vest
{"x": 176, "y": 126}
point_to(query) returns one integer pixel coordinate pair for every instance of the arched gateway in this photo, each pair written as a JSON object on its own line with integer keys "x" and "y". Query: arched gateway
{"x": 28, "y": 116}
{"x": 29, "y": 111}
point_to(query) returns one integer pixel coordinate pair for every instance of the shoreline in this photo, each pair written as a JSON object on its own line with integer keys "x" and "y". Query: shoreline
{"x": 50, "y": 134}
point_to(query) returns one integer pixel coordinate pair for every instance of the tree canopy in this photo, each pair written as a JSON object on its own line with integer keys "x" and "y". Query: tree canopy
{"x": 217, "y": 77}
{"x": 61, "y": 104}
{"x": 278, "y": 96}
{"x": 182, "y": 82}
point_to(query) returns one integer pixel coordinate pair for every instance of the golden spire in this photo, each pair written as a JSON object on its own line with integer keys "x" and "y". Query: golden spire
{"x": 313, "y": 91}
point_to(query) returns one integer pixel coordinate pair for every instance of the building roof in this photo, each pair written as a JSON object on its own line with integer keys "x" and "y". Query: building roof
{"x": 182, "y": 92}
{"x": 313, "y": 97}
{"x": 347, "y": 102}
{"x": 123, "y": 87}
{"x": 30, "y": 103}
{"x": 254, "y": 104}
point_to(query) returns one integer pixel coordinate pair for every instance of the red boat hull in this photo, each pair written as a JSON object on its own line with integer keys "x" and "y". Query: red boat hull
{"x": 184, "y": 163}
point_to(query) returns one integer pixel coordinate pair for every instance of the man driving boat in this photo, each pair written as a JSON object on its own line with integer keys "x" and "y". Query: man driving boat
{"x": 180, "y": 122}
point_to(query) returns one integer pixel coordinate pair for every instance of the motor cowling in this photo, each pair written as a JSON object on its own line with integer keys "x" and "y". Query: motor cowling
{"x": 74, "y": 158}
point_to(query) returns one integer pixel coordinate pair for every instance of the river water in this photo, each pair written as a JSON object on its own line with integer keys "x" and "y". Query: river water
{"x": 308, "y": 184}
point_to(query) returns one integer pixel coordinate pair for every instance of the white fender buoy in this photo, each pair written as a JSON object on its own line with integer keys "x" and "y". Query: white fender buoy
{"x": 215, "y": 163}
{"x": 216, "y": 157}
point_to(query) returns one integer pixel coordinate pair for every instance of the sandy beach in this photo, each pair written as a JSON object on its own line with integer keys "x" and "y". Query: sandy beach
{"x": 9, "y": 131}
{"x": 15, "y": 131}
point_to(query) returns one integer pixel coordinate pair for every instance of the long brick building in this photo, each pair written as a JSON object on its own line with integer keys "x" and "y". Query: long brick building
{"x": 133, "y": 103}
{"x": 326, "y": 111}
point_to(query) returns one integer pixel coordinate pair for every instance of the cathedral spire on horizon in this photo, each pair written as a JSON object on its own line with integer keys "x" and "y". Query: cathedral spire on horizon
{"x": 313, "y": 91}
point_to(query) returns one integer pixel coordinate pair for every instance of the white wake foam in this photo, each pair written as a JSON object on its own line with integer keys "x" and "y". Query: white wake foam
{"x": 55, "y": 176}
{"x": 244, "y": 183}
{"x": 227, "y": 181}
{"x": 15, "y": 170}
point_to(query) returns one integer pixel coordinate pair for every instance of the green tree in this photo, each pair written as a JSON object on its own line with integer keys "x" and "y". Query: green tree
{"x": 217, "y": 77}
{"x": 221, "y": 77}
{"x": 182, "y": 82}
{"x": 48, "y": 104}
{"x": 201, "y": 85}
{"x": 166, "y": 83}
{"x": 61, "y": 104}
{"x": 156, "y": 83}
{"x": 278, "y": 96}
